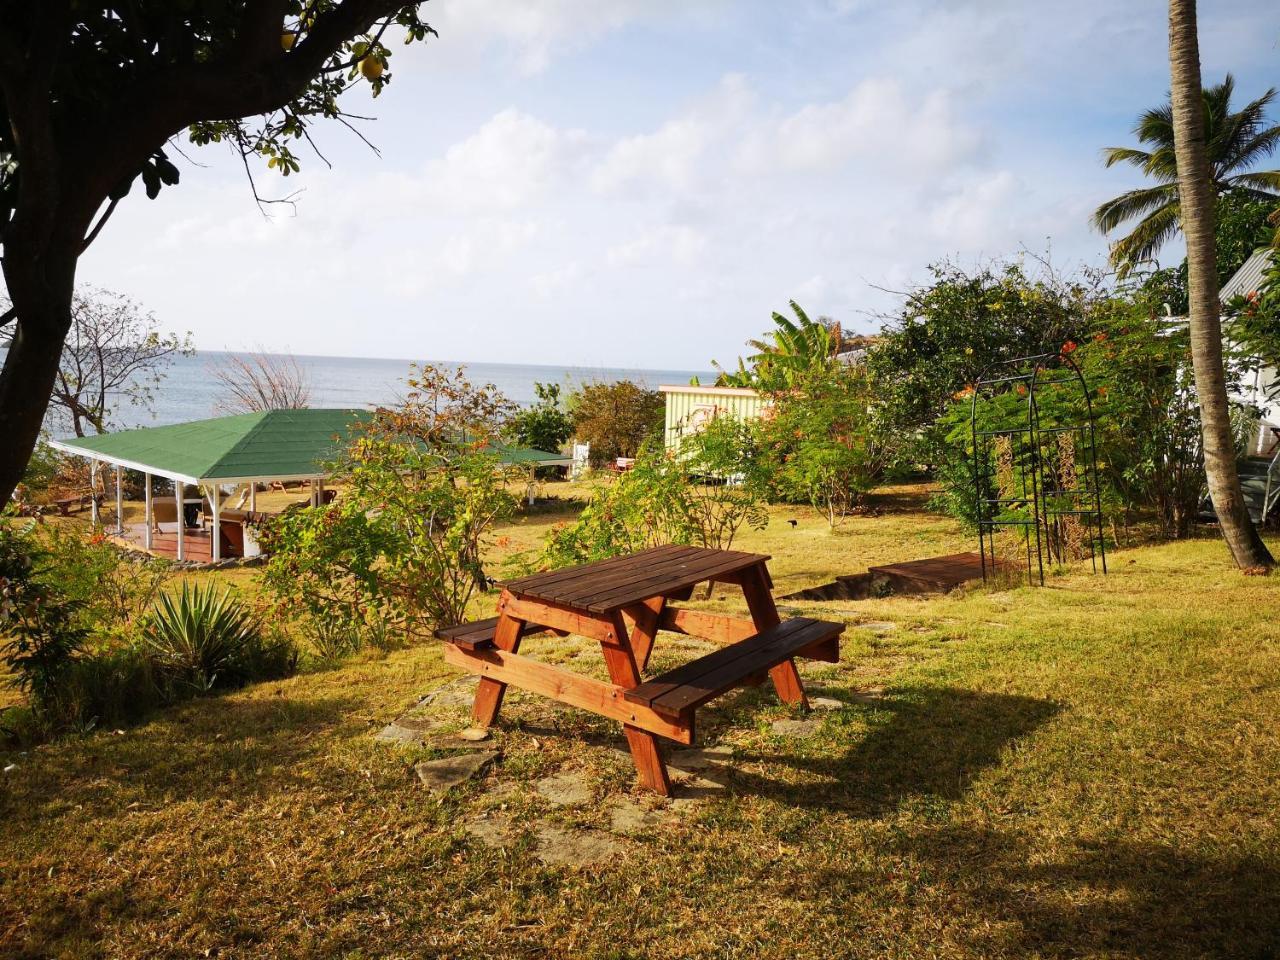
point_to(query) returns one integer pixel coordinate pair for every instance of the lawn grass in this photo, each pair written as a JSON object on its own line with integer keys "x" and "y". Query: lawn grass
{"x": 1087, "y": 769}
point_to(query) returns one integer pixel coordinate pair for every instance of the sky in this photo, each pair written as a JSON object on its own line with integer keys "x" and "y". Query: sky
{"x": 640, "y": 183}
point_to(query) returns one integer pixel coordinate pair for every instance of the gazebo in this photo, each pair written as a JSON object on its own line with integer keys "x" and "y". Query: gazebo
{"x": 273, "y": 446}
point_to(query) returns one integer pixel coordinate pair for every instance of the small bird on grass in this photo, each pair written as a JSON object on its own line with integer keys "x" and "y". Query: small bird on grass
{"x": 793, "y": 523}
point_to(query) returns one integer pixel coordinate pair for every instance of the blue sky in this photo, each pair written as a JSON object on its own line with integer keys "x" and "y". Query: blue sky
{"x": 640, "y": 182}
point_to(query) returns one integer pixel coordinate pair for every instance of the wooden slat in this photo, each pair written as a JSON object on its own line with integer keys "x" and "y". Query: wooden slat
{"x": 558, "y": 616}
{"x": 694, "y": 670}
{"x": 650, "y": 568}
{"x": 786, "y": 678}
{"x": 587, "y": 693}
{"x": 479, "y": 633}
{"x": 706, "y": 626}
{"x": 677, "y": 693}
{"x": 544, "y": 581}
{"x": 666, "y": 582}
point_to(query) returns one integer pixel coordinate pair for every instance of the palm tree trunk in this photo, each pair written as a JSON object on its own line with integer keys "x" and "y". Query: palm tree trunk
{"x": 1195, "y": 196}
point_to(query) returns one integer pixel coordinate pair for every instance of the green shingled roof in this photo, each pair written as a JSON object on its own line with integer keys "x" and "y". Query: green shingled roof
{"x": 249, "y": 446}
{"x": 276, "y": 444}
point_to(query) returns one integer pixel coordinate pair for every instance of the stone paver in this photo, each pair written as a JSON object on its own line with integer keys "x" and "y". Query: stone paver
{"x": 474, "y": 734}
{"x": 788, "y": 727}
{"x": 826, "y": 703}
{"x": 877, "y": 626}
{"x": 492, "y": 831}
{"x": 699, "y": 758}
{"x": 630, "y": 818}
{"x": 565, "y": 789}
{"x": 445, "y": 773}
{"x": 564, "y": 847}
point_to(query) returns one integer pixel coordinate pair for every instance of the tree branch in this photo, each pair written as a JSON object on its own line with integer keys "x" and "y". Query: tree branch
{"x": 102, "y": 222}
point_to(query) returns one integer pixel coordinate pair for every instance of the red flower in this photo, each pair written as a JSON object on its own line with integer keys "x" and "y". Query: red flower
{"x": 1099, "y": 337}
{"x": 1069, "y": 347}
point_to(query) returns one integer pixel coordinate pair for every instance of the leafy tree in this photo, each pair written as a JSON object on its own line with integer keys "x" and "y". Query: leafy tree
{"x": 1235, "y": 142}
{"x": 1199, "y": 168}
{"x": 785, "y": 354}
{"x": 546, "y": 425}
{"x": 91, "y": 98}
{"x": 952, "y": 331}
{"x": 616, "y": 418}
{"x": 114, "y": 353}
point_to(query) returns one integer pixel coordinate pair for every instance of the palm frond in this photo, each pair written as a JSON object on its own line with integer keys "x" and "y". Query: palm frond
{"x": 1134, "y": 203}
{"x": 1145, "y": 240}
{"x": 1263, "y": 184}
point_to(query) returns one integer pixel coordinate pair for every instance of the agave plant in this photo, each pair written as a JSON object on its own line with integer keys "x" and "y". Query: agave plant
{"x": 202, "y": 638}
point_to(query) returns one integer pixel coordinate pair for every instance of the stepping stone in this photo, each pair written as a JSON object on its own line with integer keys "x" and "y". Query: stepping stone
{"x": 699, "y": 758}
{"x": 630, "y": 818}
{"x": 567, "y": 789}
{"x": 562, "y": 847}
{"x": 441, "y": 775}
{"x": 687, "y": 793}
{"x": 491, "y": 831}
{"x": 789, "y": 727}
{"x": 474, "y": 734}
{"x": 826, "y": 703}
{"x": 406, "y": 730}
{"x": 877, "y": 626}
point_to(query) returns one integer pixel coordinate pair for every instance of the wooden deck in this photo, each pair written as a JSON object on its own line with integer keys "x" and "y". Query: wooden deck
{"x": 931, "y": 575}
{"x": 197, "y": 544}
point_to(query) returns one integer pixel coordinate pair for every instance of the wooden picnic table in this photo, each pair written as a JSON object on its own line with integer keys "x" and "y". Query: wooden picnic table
{"x": 623, "y": 603}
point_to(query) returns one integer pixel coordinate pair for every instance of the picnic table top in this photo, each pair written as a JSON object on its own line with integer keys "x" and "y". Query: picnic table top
{"x": 605, "y": 586}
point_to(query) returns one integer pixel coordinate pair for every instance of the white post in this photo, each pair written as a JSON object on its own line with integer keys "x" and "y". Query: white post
{"x": 147, "y": 510}
{"x": 119, "y": 500}
{"x": 182, "y": 520}
{"x": 253, "y": 497}
{"x": 215, "y": 500}
{"x": 93, "y": 492}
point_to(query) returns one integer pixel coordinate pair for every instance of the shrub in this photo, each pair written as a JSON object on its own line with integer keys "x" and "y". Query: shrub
{"x": 40, "y": 627}
{"x": 616, "y": 418}
{"x": 405, "y": 545}
{"x": 545, "y": 425}
{"x": 703, "y": 495}
{"x": 204, "y": 639}
{"x": 822, "y": 440}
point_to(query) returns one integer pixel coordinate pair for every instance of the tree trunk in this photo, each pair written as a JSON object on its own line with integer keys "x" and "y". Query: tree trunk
{"x": 41, "y": 294}
{"x": 1195, "y": 197}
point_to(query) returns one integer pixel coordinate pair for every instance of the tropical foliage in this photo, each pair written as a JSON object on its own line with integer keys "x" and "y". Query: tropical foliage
{"x": 1237, "y": 141}
{"x": 546, "y": 424}
{"x": 786, "y": 354}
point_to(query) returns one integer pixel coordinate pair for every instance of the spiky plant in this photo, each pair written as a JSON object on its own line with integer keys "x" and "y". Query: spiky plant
{"x": 784, "y": 353}
{"x": 1236, "y": 142}
{"x": 202, "y": 638}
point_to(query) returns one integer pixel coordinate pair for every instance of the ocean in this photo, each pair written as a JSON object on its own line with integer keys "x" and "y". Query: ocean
{"x": 188, "y": 392}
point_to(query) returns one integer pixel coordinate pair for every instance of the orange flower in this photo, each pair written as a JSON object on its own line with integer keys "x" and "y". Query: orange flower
{"x": 1022, "y": 390}
{"x": 1100, "y": 336}
{"x": 1102, "y": 391}
{"x": 1069, "y": 347}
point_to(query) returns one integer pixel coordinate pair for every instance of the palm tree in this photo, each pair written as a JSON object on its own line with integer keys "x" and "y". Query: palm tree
{"x": 1234, "y": 142}
{"x": 1195, "y": 139}
{"x": 784, "y": 353}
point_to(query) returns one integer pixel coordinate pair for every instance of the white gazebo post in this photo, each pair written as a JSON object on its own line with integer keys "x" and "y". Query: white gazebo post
{"x": 93, "y": 493}
{"x": 253, "y": 497}
{"x": 119, "y": 500}
{"x": 215, "y": 500}
{"x": 147, "y": 511}
{"x": 182, "y": 520}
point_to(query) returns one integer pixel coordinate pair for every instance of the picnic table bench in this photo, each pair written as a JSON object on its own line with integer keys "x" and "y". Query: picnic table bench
{"x": 623, "y": 603}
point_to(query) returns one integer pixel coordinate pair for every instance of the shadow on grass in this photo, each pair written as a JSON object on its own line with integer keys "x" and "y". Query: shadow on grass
{"x": 923, "y": 743}
{"x": 1107, "y": 898}
{"x": 226, "y": 747}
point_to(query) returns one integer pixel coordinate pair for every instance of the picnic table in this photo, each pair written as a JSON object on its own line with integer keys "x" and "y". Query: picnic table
{"x": 623, "y": 603}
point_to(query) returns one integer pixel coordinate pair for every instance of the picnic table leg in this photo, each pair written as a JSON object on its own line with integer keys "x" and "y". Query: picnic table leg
{"x": 764, "y": 613}
{"x": 619, "y": 656}
{"x": 489, "y": 693}
{"x": 646, "y": 617}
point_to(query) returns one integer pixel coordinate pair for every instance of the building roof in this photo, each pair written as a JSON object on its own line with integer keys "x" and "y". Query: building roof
{"x": 1249, "y": 278}
{"x": 709, "y": 390}
{"x": 270, "y": 445}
